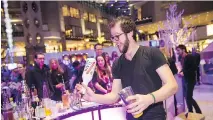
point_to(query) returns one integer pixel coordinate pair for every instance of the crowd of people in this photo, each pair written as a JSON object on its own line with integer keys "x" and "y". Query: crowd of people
{"x": 60, "y": 74}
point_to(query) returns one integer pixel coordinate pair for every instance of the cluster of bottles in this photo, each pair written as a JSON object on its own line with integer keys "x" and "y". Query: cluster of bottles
{"x": 31, "y": 107}
{"x": 41, "y": 107}
{"x": 18, "y": 110}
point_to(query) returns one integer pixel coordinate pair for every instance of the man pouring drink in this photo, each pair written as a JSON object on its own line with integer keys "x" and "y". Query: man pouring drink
{"x": 142, "y": 68}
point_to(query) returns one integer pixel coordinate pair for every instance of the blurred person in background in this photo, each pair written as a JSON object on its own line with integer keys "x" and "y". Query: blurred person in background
{"x": 5, "y": 74}
{"x": 39, "y": 74}
{"x": 15, "y": 83}
{"x": 208, "y": 67}
{"x": 107, "y": 58}
{"x": 98, "y": 49}
{"x": 197, "y": 62}
{"x": 83, "y": 61}
{"x": 66, "y": 65}
{"x": 77, "y": 74}
{"x": 58, "y": 78}
{"x": 16, "y": 74}
{"x": 66, "y": 61}
{"x": 21, "y": 69}
{"x": 189, "y": 68}
{"x": 104, "y": 76}
{"x": 114, "y": 56}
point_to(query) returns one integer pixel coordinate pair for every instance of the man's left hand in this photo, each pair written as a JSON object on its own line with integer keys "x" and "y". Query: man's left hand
{"x": 139, "y": 104}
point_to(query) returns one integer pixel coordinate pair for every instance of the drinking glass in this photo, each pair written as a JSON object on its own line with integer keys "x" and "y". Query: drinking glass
{"x": 126, "y": 92}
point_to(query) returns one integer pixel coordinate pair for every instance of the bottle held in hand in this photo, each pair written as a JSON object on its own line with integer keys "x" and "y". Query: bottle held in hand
{"x": 88, "y": 70}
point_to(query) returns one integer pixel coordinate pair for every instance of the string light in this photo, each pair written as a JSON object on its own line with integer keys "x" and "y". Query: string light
{"x": 8, "y": 29}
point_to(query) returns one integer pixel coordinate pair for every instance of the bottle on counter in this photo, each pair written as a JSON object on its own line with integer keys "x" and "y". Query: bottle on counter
{"x": 45, "y": 100}
{"x": 39, "y": 110}
{"x": 65, "y": 96}
{"x": 45, "y": 91}
{"x": 25, "y": 104}
{"x": 65, "y": 99}
{"x": 7, "y": 108}
{"x": 34, "y": 96}
{"x": 109, "y": 86}
{"x": 15, "y": 113}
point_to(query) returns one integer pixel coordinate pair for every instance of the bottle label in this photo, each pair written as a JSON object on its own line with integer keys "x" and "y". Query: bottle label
{"x": 89, "y": 70}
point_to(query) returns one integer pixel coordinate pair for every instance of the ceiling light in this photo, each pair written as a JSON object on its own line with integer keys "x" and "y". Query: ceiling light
{"x": 111, "y": 5}
{"x": 124, "y": 10}
{"x": 128, "y": 8}
{"x": 119, "y": 8}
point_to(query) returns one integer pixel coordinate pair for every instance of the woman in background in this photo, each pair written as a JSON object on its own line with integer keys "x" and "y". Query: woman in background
{"x": 58, "y": 79}
{"x": 107, "y": 58}
{"x": 114, "y": 56}
{"x": 102, "y": 83}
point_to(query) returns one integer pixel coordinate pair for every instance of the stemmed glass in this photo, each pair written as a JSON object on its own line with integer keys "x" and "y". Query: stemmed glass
{"x": 75, "y": 99}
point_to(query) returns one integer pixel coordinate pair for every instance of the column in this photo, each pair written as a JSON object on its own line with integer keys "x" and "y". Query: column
{"x": 62, "y": 25}
{"x": 31, "y": 15}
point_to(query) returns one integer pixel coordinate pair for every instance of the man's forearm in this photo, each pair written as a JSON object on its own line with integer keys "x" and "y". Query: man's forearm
{"x": 165, "y": 92}
{"x": 109, "y": 98}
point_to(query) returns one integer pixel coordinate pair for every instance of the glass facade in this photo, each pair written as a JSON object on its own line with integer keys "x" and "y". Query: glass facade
{"x": 74, "y": 12}
{"x": 92, "y": 18}
{"x": 86, "y": 16}
{"x": 65, "y": 11}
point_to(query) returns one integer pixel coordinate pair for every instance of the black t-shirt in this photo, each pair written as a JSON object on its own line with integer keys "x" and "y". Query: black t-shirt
{"x": 140, "y": 73}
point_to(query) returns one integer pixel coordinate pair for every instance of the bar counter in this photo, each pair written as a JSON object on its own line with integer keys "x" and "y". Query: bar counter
{"x": 92, "y": 111}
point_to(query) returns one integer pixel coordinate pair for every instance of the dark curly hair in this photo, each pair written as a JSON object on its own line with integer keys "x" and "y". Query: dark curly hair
{"x": 127, "y": 24}
{"x": 182, "y": 47}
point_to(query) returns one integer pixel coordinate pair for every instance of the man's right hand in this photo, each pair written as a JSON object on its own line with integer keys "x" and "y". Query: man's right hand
{"x": 87, "y": 92}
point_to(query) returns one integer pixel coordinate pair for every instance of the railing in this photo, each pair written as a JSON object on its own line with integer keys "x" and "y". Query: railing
{"x": 18, "y": 34}
{"x": 73, "y": 38}
{"x": 15, "y": 34}
{"x": 12, "y": 16}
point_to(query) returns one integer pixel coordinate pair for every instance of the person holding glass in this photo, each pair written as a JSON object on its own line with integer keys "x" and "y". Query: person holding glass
{"x": 142, "y": 68}
{"x": 58, "y": 79}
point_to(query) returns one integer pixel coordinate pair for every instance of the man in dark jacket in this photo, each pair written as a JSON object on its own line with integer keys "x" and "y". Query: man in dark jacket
{"x": 189, "y": 71}
{"x": 38, "y": 75}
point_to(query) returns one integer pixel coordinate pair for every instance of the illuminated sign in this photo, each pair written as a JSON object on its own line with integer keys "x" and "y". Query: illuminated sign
{"x": 209, "y": 30}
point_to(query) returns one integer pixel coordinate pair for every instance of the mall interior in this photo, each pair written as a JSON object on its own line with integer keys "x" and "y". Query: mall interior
{"x": 73, "y": 28}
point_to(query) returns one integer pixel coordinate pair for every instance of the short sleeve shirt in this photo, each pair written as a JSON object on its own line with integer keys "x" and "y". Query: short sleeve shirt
{"x": 140, "y": 73}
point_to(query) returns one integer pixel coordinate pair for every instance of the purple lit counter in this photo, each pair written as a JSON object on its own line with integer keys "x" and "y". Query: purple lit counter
{"x": 93, "y": 112}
